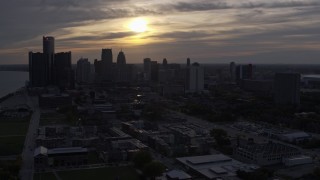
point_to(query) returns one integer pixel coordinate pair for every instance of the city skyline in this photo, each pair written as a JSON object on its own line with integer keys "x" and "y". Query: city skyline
{"x": 255, "y": 31}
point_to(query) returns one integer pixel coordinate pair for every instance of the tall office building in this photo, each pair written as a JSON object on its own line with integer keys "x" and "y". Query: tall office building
{"x": 121, "y": 59}
{"x": 64, "y": 76}
{"x": 244, "y": 72}
{"x": 147, "y": 68}
{"x": 123, "y": 70}
{"x": 287, "y": 89}
{"x": 154, "y": 71}
{"x": 233, "y": 71}
{"x": 48, "y": 68}
{"x": 37, "y": 71}
{"x": 83, "y": 71}
{"x": 48, "y": 52}
{"x": 195, "y": 78}
{"x": 106, "y": 56}
{"x": 188, "y": 61}
{"x": 165, "y": 63}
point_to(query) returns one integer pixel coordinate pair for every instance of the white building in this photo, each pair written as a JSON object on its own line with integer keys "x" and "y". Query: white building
{"x": 195, "y": 78}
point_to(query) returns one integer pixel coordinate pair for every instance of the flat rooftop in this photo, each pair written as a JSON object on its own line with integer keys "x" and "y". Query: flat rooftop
{"x": 216, "y": 165}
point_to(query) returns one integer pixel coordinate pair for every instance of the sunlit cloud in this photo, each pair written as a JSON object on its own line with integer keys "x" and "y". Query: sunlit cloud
{"x": 210, "y": 31}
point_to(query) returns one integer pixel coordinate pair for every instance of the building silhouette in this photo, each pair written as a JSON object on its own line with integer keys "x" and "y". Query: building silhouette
{"x": 83, "y": 71}
{"x": 105, "y": 69}
{"x": 38, "y": 75}
{"x": 188, "y": 61}
{"x": 287, "y": 89}
{"x": 147, "y": 68}
{"x": 194, "y": 78}
{"x": 48, "y": 52}
{"x": 121, "y": 59}
{"x": 233, "y": 71}
{"x": 48, "y": 68}
{"x": 244, "y": 72}
{"x": 64, "y": 75}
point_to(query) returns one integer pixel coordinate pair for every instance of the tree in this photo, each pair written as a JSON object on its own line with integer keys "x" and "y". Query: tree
{"x": 221, "y": 136}
{"x": 153, "y": 169}
{"x": 141, "y": 158}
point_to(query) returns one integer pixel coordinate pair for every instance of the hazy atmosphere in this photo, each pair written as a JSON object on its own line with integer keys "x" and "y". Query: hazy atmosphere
{"x": 207, "y": 31}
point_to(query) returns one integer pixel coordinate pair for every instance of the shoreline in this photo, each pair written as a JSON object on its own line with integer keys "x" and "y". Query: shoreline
{"x": 9, "y": 95}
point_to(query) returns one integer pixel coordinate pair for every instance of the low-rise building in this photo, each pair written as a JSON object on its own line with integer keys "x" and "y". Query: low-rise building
{"x": 215, "y": 166}
{"x": 264, "y": 154}
{"x": 59, "y": 157}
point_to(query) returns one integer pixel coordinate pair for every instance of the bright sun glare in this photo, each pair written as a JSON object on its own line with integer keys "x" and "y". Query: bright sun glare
{"x": 138, "y": 25}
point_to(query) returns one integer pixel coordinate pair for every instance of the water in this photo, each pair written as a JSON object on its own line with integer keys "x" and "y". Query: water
{"x": 10, "y": 81}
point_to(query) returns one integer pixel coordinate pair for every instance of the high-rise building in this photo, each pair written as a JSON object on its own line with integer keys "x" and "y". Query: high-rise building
{"x": 147, "y": 68}
{"x": 37, "y": 70}
{"x": 244, "y": 72}
{"x": 154, "y": 71}
{"x": 188, "y": 61}
{"x": 63, "y": 70}
{"x": 287, "y": 89}
{"x": 83, "y": 71}
{"x": 124, "y": 71}
{"x": 233, "y": 71}
{"x": 106, "y": 55}
{"x": 48, "y": 68}
{"x": 48, "y": 52}
{"x": 164, "y": 62}
{"x": 195, "y": 78}
{"x": 121, "y": 59}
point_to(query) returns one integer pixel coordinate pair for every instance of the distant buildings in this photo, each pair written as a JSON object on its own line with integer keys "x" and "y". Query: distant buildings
{"x": 244, "y": 72}
{"x": 287, "y": 89}
{"x": 147, "y": 68}
{"x": 233, "y": 71}
{"x": 195, "y": 78}
{"x": 83, "y": 71}
{"x": 108, "y": 72}
{"x": 48, "y": 68}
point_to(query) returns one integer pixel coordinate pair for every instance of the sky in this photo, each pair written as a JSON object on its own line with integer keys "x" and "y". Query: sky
{"x": 207, "y": 31}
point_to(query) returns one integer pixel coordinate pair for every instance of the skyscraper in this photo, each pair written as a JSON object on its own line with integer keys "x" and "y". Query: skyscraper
{"x": 233, "y": 71}
{"x": 48, "y": 68}
{"x": 188, "y": 61}
{"x": 106, "y": 56}
{"x": 37, "y": 71}
{"x": 121, "y": 59}
{"x": 244, "y": 72}
{"x": 48, "y": 52}
{"x": 83, "y": 71}
{"x": 287, "y": 89}
{"x": 147, "y": 68}
{"x": 195, "y": 78}
{"x": 62, "y": 70}
{"x": 164, "y": 63}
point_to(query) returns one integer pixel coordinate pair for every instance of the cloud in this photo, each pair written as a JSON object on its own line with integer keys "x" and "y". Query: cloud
{"x": 218, "y": 5}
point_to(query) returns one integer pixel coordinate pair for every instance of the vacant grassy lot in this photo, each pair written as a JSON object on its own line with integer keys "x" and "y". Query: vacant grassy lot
{"x": 8, "y": 128}
{"x": 44, "y": 176}
{"x": 11, "y": 145}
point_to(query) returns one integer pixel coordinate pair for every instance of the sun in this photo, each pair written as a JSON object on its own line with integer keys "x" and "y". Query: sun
{"x": 138, "y": 25}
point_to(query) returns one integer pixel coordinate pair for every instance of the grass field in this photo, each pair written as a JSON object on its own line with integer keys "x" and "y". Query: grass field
{"x": 44, "y": 176}
{"x": 123, "y": 173}
{"x": 13, "y": 128}
{"x": 12, "y": 136}
{"x": 11, "y": 145}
